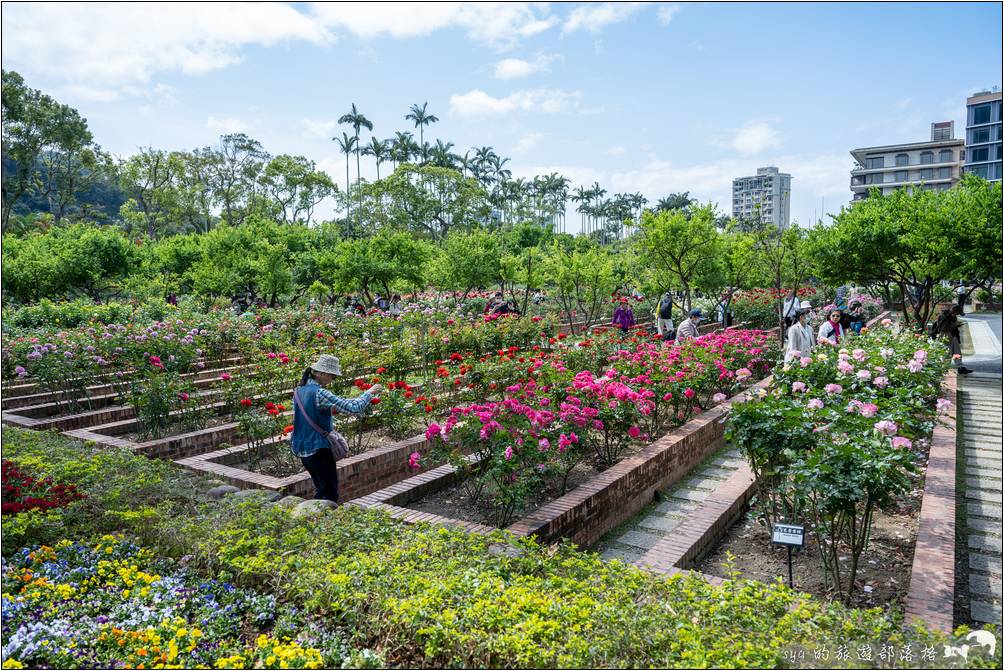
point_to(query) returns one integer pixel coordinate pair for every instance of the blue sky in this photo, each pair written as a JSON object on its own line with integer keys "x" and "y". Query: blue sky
{"x": 655, "y": 98}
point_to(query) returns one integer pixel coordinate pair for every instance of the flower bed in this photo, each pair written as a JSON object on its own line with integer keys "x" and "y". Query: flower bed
{"x": 550, "y": 421}
{"x": 22, "y": 492}
{"x": 422, "y": 596}
{"x": 837, "y": 439}
{"x": 111, "y": 603}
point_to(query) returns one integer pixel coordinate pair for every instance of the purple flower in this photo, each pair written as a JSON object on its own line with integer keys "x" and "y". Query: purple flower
{"x": 943, "y": 404}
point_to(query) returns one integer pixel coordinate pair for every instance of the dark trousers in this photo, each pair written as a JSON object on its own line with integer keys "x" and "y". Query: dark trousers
{"x": 324, "y": 474}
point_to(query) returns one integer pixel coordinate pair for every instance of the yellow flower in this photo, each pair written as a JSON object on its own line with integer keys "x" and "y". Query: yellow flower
{"x": 13, "y": 664}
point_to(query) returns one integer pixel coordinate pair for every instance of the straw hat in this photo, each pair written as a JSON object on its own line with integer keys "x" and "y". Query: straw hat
{"x": 327, "y": 364}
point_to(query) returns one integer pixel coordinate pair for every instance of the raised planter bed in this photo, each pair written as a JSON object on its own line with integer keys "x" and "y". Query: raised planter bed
{"x": 591, "y": 509}
{"x": 358, "y": 475}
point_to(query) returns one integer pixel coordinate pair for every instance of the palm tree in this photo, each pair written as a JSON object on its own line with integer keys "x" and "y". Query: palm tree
{"x": 401, "y": 149}
{"x": 379, "y": 150}
{"x": 358, "y": 120}
{"x": 346, "y": 144}
{"x": 422, "y": 119}
{"x": 442, "y": 156}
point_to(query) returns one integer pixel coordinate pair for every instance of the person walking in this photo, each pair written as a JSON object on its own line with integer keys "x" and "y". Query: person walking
{"x": 623, "y": 316}
{"x": 313, "y": 406}
{"x": 664, "y": 317}
{"x": 960, "y": 292}
{"x": 790, "y": 309}
{"x": 948, "y": 326}
{"x": 832, "y": 330}
{"x": 801, "y": 339}
{"x": 689, "y": 327}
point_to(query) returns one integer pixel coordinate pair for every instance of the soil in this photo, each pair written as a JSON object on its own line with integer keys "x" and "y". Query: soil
{"x": 453, "y": 502}
{"x": 177, "y": 429}
{"x": 883, "y": 576}
{"x": 287, "y": 464}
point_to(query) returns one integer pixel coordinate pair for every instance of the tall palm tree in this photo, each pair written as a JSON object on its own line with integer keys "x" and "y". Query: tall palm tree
{"x": 346, "y": 144}
{"x": 442, "y": 156}
{"x": 358, "y": 121}
{"x": 402, "y": 143}
{"x": 379, "y": 150}
{"x": 422, "y": 118}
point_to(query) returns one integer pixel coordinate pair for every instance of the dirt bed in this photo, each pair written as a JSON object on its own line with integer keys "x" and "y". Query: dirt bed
{"x": 883, "y": 572}
{"x": 455, "y": 503}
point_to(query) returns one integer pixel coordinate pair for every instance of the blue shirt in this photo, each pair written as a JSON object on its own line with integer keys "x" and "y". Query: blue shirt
{"x": 305, "y": 440}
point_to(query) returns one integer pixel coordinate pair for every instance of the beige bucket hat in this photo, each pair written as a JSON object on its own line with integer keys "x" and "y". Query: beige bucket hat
{"x": 327, "y": 364}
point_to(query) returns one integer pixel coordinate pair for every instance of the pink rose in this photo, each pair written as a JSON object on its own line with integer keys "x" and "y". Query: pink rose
{"x": 805, "y": 361}
{"x": 719, "y": 397}
{"x": 901, "y": 442}
{"x": 943, "y": 404}
{"x": 508, "y": 452}
{"x": 885, "y": 427}
{"x": 814, "y": 404}
{"x": 688, "y": 392}
{"x": 881, "y": 382}
{"x": 864, "y": 375}
{"x": 832, "y": 389}
{"x": 634, "y": 432}
{"x": 868, "y": 409}
{"x": 798, "y": 387}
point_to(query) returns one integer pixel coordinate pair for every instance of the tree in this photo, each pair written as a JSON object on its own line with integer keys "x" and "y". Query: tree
{"x": 34, "y": 123}
{"x": 583, "y": 281}
{"x": 235, "y": 176}
{"x": 675, "y": 201}
{"x": 147, "y": 179}
{"x": 379, "y": 150}
{"x": 680, "y": 248}
{"x": 467, "y": 259}
{"x": 296, "y": 186}
{"x": 346, "y": 144}
{"x": 422, "y": 118}
{"x": 785, "y": 257}
{"x": 913, "y": 240}
{"x": 380, "y": 262}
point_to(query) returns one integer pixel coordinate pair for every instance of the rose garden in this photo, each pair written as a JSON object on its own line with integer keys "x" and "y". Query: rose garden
{"x": 532, "y": 486}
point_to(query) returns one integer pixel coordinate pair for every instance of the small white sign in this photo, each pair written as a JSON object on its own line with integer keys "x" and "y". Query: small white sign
{"x": 789, "y": 534}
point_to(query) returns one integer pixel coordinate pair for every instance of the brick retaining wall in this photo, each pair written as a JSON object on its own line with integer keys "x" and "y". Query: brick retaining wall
{"x": 931, "y": 597}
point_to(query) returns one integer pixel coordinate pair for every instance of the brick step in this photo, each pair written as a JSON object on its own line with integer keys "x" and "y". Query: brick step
{"x": 985, "y": 564}
{"x": 984, "y": 485}
{"x": 985, "y": 585}
{"x": 984, "y": 526}
{"x": 985, "y": 612}
{"x": 984, "y": 509}
{"x": 661, "y": 524}
{"x": 987, "y": 544}
{"x": 626, "y": 555}
{"x": 985, "y": 496}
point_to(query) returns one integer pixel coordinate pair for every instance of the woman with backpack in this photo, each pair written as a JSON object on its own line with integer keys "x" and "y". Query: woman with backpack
{"x": 313, "y": 406}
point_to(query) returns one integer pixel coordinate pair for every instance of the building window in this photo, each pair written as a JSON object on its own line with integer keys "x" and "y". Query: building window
{"x": 979, "y": 136}
{"x": 945, "y": 156}
{"x": 901, "y": 175}
{"x": 927, "y": 173}
{"x": 926, "y": 157}
{"x": 981, "y": 113}
{"x": 876, "y": 162}
{"x": 978, "y": 154}
{"x": 902, "y": 159}
{"x": 874, "y": 179}
{"x": 944, "y": 173}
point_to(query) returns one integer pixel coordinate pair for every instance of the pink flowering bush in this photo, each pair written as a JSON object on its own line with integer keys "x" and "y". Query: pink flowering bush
{"x": 835, "y": 438}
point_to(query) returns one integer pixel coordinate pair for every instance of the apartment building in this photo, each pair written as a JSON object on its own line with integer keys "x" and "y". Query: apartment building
{"x": 935, "y": 164}
{"x": 764, "y": 197}
{"x": 983, "y": 135}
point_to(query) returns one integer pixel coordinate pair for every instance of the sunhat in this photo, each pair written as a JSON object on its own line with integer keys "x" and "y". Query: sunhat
{"x": 327, "y": 364}
{"x": 806, "y": 305}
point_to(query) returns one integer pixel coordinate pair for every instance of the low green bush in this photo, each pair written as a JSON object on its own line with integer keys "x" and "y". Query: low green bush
{"x": 430, "y": 596}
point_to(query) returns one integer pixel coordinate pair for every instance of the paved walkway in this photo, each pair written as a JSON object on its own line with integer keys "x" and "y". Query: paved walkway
{"x": 631, "y": 540}
{"x": 980, "y": 442}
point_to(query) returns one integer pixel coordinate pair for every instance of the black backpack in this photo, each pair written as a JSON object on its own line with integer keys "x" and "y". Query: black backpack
{"x": 665, "y": 309}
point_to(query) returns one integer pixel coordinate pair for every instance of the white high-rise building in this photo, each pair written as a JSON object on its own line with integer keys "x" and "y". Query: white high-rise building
{"x": 764, "y": 197}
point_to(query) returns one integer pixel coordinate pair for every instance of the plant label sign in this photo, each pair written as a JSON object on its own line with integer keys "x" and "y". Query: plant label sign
{"x": 788, "y": 534}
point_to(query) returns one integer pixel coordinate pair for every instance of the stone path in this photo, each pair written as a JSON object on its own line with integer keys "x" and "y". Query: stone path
{"x": 631, "y": 540}
{"x": 980, "y": 435}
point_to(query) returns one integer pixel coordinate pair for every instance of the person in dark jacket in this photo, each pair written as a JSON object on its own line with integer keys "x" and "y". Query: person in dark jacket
{"x": 949, "y": 327}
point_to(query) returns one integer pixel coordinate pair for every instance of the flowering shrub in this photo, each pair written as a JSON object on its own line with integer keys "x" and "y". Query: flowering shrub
{"x": 758, "y": 308}
{"x": 114, "y": 604}
{"x": 833, "y": 438}
{"x": 22, "y": 492}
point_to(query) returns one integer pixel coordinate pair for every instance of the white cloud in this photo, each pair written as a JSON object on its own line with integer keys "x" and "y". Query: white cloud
{"x": 754, "y": 137}
{"x": 497, "y": 24}
{"x": 479, "y": 103}
{"x": 512, "y": 68}
{"x": 595, "y": 17}
{"x": 666, "y": 12}
{"x": 619, "y": 150}
{"x": 527, "y": 142}
{"x": 317, "y": 128}
{"x": 227, "y": 125}
{"x": 114, "y": 45}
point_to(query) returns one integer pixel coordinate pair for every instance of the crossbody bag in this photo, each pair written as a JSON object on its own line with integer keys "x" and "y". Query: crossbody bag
{"x": 336, "y": 441}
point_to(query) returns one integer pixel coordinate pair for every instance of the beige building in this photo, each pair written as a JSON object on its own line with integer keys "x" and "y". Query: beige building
{"x": 936, "y": 164}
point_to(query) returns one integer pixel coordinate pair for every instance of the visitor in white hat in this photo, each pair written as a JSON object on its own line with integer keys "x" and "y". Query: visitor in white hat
{"x": 319, "y": 404}
{"x": 801, "y": 339}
